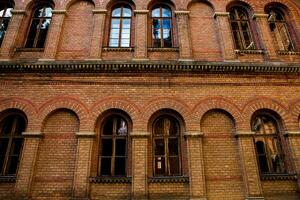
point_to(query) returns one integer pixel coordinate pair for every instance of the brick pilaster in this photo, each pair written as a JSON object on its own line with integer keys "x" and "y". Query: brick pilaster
{"x": 27, "y": 164}
{"x": 83, "y": 164}
{"x": 183, "y": 34}
{"x": 53, "y": 34}
{"x": 266, "y": 37}
{"x": 251, "y": 175}
{"x": 140, "y": 51}
{"x": 225, "y": 35}
{"x": 139, "y": 164}
{"x": 11, "y": 36}
{"x": 196, "y": 165}
{"x": 98, "y": 32}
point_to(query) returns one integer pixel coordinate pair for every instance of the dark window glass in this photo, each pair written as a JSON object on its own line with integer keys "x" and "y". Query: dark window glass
{"x": 5, "y": 15}
{"x": 161, "y": 27}
{"x": 11, "y": 141}
{"x": 114, "y": 145}
{"x": 40, "y": 22}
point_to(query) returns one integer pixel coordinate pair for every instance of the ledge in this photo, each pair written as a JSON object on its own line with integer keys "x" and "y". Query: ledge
{"x": 59, "y": 11}
{"x": 100, "y": 11}
{"x": 140, "y": 134}
{"x": 244, "y": 134}
{"x": 23, "y": 49}
{"x": 168, "y": 179}
{"x": 101, "y": 179}
{"x": 175, "y": 49}
{"x": 224, "y": 14}
{"x": 268, "y": 177}
{"x": 255, "y": 16}
{"x": 193, "y": 134}
{"x": 141, "y": 11}
{"x": 246, "y": 51}
{"x": 18, "y": 12}
{"x": 182, "y": 12}
{"x": 292, "y": 134}
{"x": 7, "y": 179}
{"x": 118, "y": 49}
{"x": 84, "y": 134}
{"x": 282, "y": 52}
{"x": 32, "y": 134}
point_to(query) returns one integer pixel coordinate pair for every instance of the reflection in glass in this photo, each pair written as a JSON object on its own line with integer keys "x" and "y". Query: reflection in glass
{"x": 5, "y": 15}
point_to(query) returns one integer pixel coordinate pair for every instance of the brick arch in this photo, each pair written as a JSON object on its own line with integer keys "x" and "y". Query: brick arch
{"x": 31, "y": 4}
{"x": 164, "y": 103}
{"x": 23, "y": 105}
{"x": 294, "y": 109}
{"x": 70, "y": 103}
{"x": 67, "y": 4}
{"x": 247, "y": 4}
{"x": 215, "y": 103}
{"x": 187, "y": 4}
{"x": 293, "y": 8}
{"x": 121, "y": 103}
{"x": 259, "y": 103}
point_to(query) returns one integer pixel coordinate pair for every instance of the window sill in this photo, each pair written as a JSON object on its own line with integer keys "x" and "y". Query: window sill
{"x": 110, "y": 179}
{"x": 267, "y": 177}
{"x": 118, "y": 49}
{"x": 174, "y": 49}
{"x": 7, "y": 179}
{"x": 23, "y": 49}
{"x": 249, "y": 51}
{"x": 283, "y": 52}
{"x": 168, "y": 179}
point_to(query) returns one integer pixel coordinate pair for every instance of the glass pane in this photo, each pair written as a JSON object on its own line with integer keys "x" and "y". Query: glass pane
{"x": 126, "y": 23}
{"x": 16, "y": 146}
{"x": 263, "y": 164}
{"x": 126, "y": 12}
{"x": 166, "y": 12}
{"x": 126, "y": 31}
{"x": 107, "y": 147}
{"x": 167, "y": 34}
{"x": 108, "y": 126}
{"x": 48, "y": 12}
{"x": 173, "y": 147}
{"x": 174, "y": 165}
{"x": 120, "y": 147}
{"x": 242, "y": 15}
{"x": 166, "y": 24}
{"x": 42, "y": 37}
{"x": 122, "y": 126}
{"x": 12, "y": 166}
{"x": 32, "y": 33}
{"x": 260, "y": 147}
{"x": 232, "y": 15}
{"x": 3, "y": 146}
{"x": 1, "y": 164}
{"x": 114, "y": 34}
{"x": 2, "y": 12}
{"x": 20, "y": 125}
{"x": 120, "y": 166}
{"x": 156, "y": 23}
{"x": 8, "y": 12}
{"x": 125, "y": 36}
{"x": 234, "y": 26}
{"x": 114, "y": 42}
{"x": 159, "y": 147}
{"x": 125, "y": 43}
{"x": 115, "y": 23}
{"x": 156, "y": 12}
{"x": 156, "y": 34}
{"x": 237, "y": 40}
{"x": 7, "y": 126}
{"x": 38, "y": 13}
{"x": 158, "y": 129}
{"x": 159, "y": 165}
{"x": 156, "y": 43}
{"x": 105, "y": 166}
{"x": 116, "y": 12}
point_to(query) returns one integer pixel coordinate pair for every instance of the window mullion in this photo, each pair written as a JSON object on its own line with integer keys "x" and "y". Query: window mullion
{"x": 8, "y": 151}
{"x": 37, "y": 33}
{"x": 242, "y": 39}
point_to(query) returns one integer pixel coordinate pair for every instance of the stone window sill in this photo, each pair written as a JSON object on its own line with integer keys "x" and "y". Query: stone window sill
{"x": 110, "y": 179}
{"x": 7, "y": 179}
{"x": 249, "y": 51}
{"x": 23, "y": 49}
{"x": 168, "y": 179}
{"x": 283, "y": 52}
{"x": 266, "y": 177}
{"x": 174, "y": 49}
{"x": 118, "y": 49}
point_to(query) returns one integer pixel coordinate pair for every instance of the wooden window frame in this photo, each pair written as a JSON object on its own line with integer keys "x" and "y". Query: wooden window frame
{"x": 4, "y": 7}
{"x": 38, "y": 30}
{"x": 122, "y": 6}
{"x": 11, "y": 136}
{"x": 239, "y": 22}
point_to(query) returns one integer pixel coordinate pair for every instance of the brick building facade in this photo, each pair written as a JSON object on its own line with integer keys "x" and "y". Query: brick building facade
{"x": 108, "y": 99}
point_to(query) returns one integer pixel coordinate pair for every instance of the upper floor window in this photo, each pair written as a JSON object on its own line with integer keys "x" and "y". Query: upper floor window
{"x": 279, "y": 30}
{"x": 269, "y": 145}
{"x": 241, "y": 29}
{"x": 40, "y": 22}
{"x": 161, "y": 20}
{"x": 11, "y": 141}
{"x": 166, "y": 146}
{"x": 120, "y": 28}
{"x": 5, "y": 14}
{"x": 113, "y": 146}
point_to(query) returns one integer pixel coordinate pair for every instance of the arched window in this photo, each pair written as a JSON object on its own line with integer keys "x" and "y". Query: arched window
{"x": 268, "y": 142}
{"x": 166, "y": 146}
{"x": 5, "y": 14}
{"x": 120, "y": 28}
{"x": 240, "y": 27}
{"x": 11, "y": 141}
{"x": 161, "y": 20}
{"x": 40, "y": 22}
{"x": 279, "y": 30}
{"x": 113, "y": 146}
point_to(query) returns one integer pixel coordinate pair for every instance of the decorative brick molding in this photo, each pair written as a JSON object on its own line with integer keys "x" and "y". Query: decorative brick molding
{"x": 283, "y": 52}
{"x": 84, "y": 134}
{"x": 32, "y": 134}
{"x": 255, "y": 16}
{"x": 292, "y": 134}
{"x": 141, "y": 11}
{"x": 163, "y": 49}
{"x": 137, "y": 134}
{"x": 113, "y": 49}
{"x": 25, "y": 49}
{"x": 182, "y": 12}
{"x": 244, "y": 134}
{"x": 59, "y": 11}
{"x": 7, "y": 179}
{"x": 271, "y": 177}
{"x": 99, "y": 179}
{"x": 221, "y": 14}
{"x": 18, "y": 12}
{"x": 255, "y": 198}
{"x": 169, "y": 179}
{"x": 100, "y": 11}
{"x": 246, "y": 51}
{"x": 191, "y": 134}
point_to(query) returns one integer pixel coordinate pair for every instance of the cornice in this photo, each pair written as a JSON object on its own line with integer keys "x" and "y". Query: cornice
{"x": 18, "y": 12}
{"x": 182, "y": 12}
{"x": 99, "y": 11}
{"x": 59, "y": 11}
{"x": 148, "y": 66}
{"x": 259, "y": 15}
{"x": 221, "y": 14}
{"x": 141, "y": 11}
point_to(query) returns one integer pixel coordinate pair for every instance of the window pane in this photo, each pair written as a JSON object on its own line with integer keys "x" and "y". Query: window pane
{"x": 8, "y": 12}
{"x": 156, "y": 23}
{"x": 12, "y": 165}
{"x": 174, "y": 165}
{"x": 125, "y": 36}
{"x": 16, "y": 146}
{"x": 48, "y": 12}
{"x": 116, "y": 12}
{"x": 32, "y": 33}
{"x": 7, "y": 126}
{"x": 42, "y": 36}
{"x": 263, "y": 164}
{"x": 260, "y": 147}
{"x": 120, "y": 166}
{"x": 156, "y": 12}
{"x": 114, "y": 42}
{"x": 126, "y": 12}
{"x": 156, "y": 43}
{"x": 173, "y": 147}
{"x": 107, "y": 147}
{"x": 108, "y": 126}
{"x": 159, "y": 147}
{"x": 125, "y": 43}
{"x": 20, "y": 125}
{"x": 166, "y": 12}
{"x": 120, "y": 147}
{"x": 159, "y": 165}
{"x": 126, "y": 31}
{"x": 115, "y": 23}
{"x": 105, "y": 166}
{"x": 115, "y": 34}
{"x": 167, "y": 34}
{"x": 38, "y": 13}
{"x": 166, "y": 24}
{"x": 3, "y": 146}
{"x": 126, "y": 23}
{"x": 156, "y": 34}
